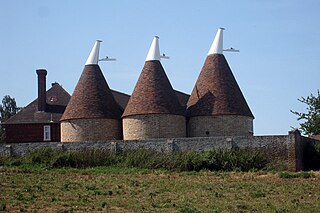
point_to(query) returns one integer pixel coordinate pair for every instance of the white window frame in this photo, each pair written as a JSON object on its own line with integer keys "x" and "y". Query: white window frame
{"x": 47, "y": 133}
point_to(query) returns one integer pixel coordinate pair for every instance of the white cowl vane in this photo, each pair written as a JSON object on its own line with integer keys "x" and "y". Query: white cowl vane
{"x": 94, "y": 55}
{"x": 154, "y": 51}
{"x": 217, "y": 44}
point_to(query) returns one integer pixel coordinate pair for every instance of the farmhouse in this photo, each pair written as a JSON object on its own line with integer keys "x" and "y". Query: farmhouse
{"x": 39, "y": 121}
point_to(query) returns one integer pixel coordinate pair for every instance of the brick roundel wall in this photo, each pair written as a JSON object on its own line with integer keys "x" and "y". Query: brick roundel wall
{"x": 223, "y": 125}
{"x": 139, "y": 127}
{"x": 80, "y": 130}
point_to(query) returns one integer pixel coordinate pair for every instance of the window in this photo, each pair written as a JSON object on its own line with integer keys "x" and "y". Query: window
{"x": 47, "y": 133}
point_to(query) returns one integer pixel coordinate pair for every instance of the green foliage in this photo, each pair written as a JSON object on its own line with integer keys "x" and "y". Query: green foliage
{"x": 85, "y": 158}
{"x": 258, "y": 194}
{"x": 317, "y": 146}
{"x": 121, "y": 189}
{"x": 187, "y": 209}
{"x": 214, "y": 160}
{"x": 75, "y": 159}
{"x": 229, "y": 160}
{"x": 141, "y": 158}
{"x": 8, "y": 108}
{"x": 289, "y": 175}
{"x": 312, "y": 156}
{"x": 311, "y": 118}
{"x": 3, "y": 206}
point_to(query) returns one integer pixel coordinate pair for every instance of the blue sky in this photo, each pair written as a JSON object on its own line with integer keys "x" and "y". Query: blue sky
{"x": 279, "y": 43}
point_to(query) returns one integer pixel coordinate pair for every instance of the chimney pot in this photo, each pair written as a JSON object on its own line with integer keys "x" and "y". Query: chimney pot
{"x": 54, "y": 83}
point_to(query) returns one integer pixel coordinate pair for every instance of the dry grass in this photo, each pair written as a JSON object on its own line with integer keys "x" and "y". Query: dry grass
{"x": 131, "y": 190}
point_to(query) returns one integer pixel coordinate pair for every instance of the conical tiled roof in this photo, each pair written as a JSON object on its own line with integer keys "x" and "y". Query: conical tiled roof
{"x": 153, "y": 93}
{"x": 92, "y": 97}
{"x": 216, "y": 91}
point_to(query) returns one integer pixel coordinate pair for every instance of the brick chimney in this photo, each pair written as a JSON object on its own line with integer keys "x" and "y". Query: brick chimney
{"x": 42, "y": 89}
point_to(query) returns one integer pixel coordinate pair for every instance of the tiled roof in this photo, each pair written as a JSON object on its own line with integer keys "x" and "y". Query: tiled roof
{"x": 121, "y": 98}
{"x": 216, "y": 91}
{"x": 92, "y": 97}
{"x": 153, "y": 93}
{"x": 315, "y": 137}
{"x": 57, "y": 100}
{"x": 182, "y": 97}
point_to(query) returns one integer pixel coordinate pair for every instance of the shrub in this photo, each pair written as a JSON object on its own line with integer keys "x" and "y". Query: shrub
{"x": 230, "y": 160}
{"x": 85, "y": 158}
{"x": 42, "y": 156}
{"x": 10, "y": 161}
{"x": 187, "y": 161}
{"x": 141, "y": 158}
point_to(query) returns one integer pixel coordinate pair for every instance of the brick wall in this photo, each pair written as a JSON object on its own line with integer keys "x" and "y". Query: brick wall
{"x": 82, "y": 130}
{"x": 285, "y": 150}
{"x": 19, "y": 133}
{"x": 204, "y": 126}
{"x": 138, "y": 127}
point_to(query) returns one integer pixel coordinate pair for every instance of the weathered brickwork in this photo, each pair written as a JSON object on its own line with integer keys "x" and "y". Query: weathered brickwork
{"x": 223, "y": 125}
{"x": 82, "y": 130}
{"x": 139, "y": 127}
{"x": 17, "y": 133}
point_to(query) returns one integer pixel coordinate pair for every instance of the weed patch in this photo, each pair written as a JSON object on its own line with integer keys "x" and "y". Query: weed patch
{"x": 288, "y": 175}
{"x": 214, "y": 160}
{"x": 120, "y": 190}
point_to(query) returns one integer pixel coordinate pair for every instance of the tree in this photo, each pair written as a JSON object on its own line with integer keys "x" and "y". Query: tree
{"x": 311, "y": 124}
{"x": 8, "y": 108}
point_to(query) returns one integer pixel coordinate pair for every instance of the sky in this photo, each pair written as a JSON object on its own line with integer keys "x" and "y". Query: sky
{"x": 278, "y": 62}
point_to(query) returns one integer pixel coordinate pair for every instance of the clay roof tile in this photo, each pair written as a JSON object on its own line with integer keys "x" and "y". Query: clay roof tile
{"x": 216, "y": 91}
{"x": 153, "y": 93}
{"x": 92, "y": 97}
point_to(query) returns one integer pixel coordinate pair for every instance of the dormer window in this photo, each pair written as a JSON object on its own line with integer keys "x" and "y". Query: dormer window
{"x": 53, "y": 99}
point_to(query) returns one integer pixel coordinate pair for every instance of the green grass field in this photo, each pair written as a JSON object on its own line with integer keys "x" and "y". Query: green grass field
{"x": 114, "y": 189}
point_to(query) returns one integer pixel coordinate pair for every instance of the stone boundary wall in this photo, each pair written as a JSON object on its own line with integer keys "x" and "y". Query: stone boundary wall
{"x": 287, "y": 150}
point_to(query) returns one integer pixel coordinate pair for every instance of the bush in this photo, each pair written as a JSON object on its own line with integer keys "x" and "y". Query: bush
{"x": 312, "y": 156}
{"x": 187, "y": 161}
{"x": 42, "y": 156}
{"x": 85, "y": 158}
{"x": 230, "y": 160}
{"x": 141, "y": 158}
{"x": 11, "y": 161}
